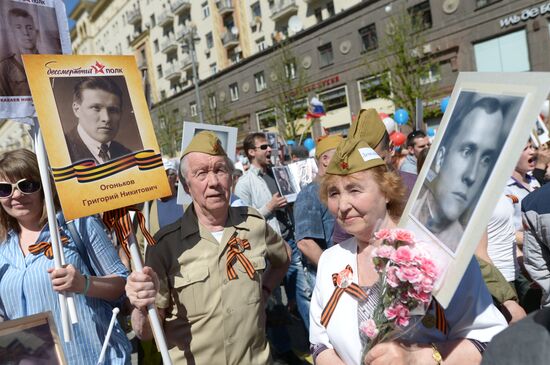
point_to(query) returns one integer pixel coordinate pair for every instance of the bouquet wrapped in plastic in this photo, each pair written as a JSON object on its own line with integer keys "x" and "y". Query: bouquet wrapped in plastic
{"x": 407, "y": 278}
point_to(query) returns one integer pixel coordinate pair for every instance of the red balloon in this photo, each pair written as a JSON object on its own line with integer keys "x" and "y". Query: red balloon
{"x": 398, "y": 138}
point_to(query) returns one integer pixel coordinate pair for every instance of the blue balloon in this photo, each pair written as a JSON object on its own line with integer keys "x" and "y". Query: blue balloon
{"x": 444, "y": 103}
{"x": 401, "y": 116}
{"x": 309, "y": 144}
{"x": 431, "y": 132}
{"x": 290, "y": 142}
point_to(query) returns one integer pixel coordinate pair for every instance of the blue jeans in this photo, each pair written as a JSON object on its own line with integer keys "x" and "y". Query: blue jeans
{"x": 298, "y": 284}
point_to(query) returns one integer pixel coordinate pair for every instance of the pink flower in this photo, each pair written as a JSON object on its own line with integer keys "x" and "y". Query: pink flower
{"x": 409, "y": 273}
{"x": 428, "y": 267}
{"x": 369, "y": 328}
{"x": 391, "y": 278}
{"x": 399, "y": 313}
{"x": 403, "y": 255}
{"x": 403, "y": 235}
{"x": 384, "y": 234}
{"x": 425, "y": 285}
{"x": 384, "y": 251}
{"x": 420, "y": 295}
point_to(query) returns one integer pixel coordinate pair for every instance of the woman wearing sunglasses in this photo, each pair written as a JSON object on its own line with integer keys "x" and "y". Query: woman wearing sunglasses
{"x": 29, "y": 283}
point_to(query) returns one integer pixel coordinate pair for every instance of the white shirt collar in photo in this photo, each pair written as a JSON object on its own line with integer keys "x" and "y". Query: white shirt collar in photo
{"x": 92, "y": 145}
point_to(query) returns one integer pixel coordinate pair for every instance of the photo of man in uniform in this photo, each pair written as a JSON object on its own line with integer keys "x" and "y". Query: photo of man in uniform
{"x": 463, "y": 163}
{"x": 282, "y": 177}
{"x": 97, "y": 105}
{"x": 24, "y": 35}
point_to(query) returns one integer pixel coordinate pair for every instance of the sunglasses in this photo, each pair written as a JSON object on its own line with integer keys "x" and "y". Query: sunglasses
{"x": 262, "y": 147}
{"x": 24, "y": 186}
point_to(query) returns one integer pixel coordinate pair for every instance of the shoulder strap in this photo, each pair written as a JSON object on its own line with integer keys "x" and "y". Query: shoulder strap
{"x": 82, "y": 251}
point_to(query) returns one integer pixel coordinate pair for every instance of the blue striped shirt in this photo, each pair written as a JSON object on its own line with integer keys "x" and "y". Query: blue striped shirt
{"x": 26, "y": 289}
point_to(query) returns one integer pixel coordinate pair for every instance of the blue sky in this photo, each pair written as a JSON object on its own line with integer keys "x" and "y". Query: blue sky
{"x": 69, "y": 5}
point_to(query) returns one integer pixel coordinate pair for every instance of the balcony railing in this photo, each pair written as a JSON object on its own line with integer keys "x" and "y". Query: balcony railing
{"x": 168, "y": 44}
{"x": 230, "y": 40}
{"x": 283, "y": 8}
{"x": 225, "y": 7}
{"x": 182, "y": 33}
{"x": 172, "y": 71}
{"x": 186, "y": 63}
{"x": 179, "y": 6}
{"x": 166, "y": 17}
{"x": 133, "y": 16}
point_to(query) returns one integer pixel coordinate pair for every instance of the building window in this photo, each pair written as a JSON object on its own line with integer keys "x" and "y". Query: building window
{"x": 212, "y": 101}
{"x": 326, "y": 57}
{"x": 156, "y": 45}
{"x": 290, "y": 70}
{"x": 193, "y": 109}
{"x": 433, "y": 75}
{"x": 318, "y": 14}
{"x": 330, "y": 9}
{"x": 163, "y": 94}
{"x": 260, "y": 81}
{"x": 421, "y": 14}
{"x": 213, "y": 68}
{"x": 260, "y": 44}
{"x": 256, "y": 10}
{"x": 234, "y": 91}
{"x": 374, "y": 87}
{"x": 153, "y": 21}
{"x": 507, "y": 53}
{"x": 159, "y": 71}
{"x": 483, "y": 3}
{"x": 266, "y": 119}
{"x": 368, "y": 37}
{"x": 334, "y": 99}
{"x": 209, "y": 40}
{"x": 205, "y": 10}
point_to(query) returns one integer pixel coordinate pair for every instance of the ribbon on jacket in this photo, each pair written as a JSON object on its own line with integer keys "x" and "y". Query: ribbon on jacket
{"x": 119, "y": 220}
{"x": 236, "y": 247}
{"x": 46, "y": 247}
{"x": 343, "y": 284}
{"x": 440, "y": 320}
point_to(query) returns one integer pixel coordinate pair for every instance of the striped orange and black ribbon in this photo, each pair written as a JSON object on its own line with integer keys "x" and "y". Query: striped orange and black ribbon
{"x": 236, "y": 247}
{"x": 46, "y": 247}
{"x": 440, "y": 319}
{"x": 88, "y": 171}
{"x": 119, "y": 220}
{"x": 353, "y": 289}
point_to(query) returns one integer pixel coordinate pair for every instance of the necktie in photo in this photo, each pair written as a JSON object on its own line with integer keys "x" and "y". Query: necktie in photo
{"x": 104, "y": 152}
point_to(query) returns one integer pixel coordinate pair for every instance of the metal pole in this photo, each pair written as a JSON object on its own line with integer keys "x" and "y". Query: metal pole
{"x": 191, "y": 45}
{"x": 419, "y": 114}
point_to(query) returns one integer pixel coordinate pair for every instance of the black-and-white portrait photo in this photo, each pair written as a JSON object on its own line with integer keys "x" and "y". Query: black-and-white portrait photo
{"x": 464, "y": 160}
{"x": 26, "y": 29}
{"x": 284, "y": 180}
{"x": 97, "y": 117}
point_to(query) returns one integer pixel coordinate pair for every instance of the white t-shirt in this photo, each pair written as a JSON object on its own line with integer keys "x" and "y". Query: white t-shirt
{"x": 218, "y": 236}
{"x": 502, "y": 244}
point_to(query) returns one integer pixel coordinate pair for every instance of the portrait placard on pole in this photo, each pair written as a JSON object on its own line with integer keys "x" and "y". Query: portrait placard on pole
{"x": 98, "y": 132}
{"x": 485, "y": 126}
{"x": 27, "y": 27}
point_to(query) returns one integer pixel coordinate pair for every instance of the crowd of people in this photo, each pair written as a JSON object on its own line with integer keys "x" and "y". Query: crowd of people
{"x": 229, "y": 272}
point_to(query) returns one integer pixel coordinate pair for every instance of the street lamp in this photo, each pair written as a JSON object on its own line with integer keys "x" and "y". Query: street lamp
{"x": 189, "y": 46}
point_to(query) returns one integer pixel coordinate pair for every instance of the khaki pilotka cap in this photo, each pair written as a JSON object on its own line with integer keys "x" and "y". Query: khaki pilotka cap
{"x": 205, "y": 142}
{"x": 327, "y": 143}
{"x": 355, "y": 153}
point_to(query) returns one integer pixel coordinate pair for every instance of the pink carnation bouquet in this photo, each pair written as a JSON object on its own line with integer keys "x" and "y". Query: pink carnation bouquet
{"x": 407, "y": 277}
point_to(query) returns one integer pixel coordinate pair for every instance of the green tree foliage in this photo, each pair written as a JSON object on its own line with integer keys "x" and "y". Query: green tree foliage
{"x": 168, "y": 129}
{"x": 402, "y": 56}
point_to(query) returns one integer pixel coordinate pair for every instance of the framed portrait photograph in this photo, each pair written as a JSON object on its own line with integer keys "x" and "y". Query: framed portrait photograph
{"x": 27, "y": 27}
{"x": 303, "y": 172}
{"x": 285, "y": 183}
{"x": 483, "y": 131}
{"x": 31, "y": 340}
{"x": 97, "y": 131}
{"x": 539, "y": 134}
{"x": 228, "y": 139}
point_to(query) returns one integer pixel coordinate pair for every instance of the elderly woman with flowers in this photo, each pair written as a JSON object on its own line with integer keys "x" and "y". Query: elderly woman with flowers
{"x": 345, "y": 314}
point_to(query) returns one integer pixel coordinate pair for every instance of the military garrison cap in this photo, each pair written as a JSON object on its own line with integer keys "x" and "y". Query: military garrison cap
{"x": 327, "y": 143}
{"x": 205, "y": 142}
{"x": 369, "y": 127}
{"x": 353, "y": 155}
